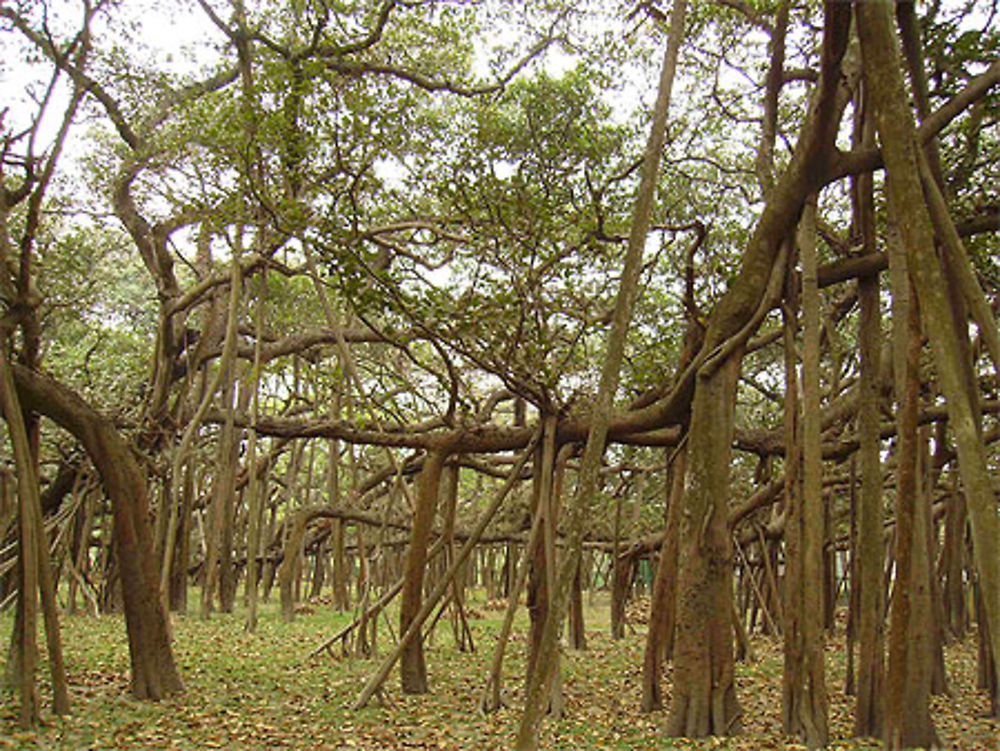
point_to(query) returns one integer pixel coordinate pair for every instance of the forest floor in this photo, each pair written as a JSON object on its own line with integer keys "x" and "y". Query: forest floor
{"x": 262, "y": 691}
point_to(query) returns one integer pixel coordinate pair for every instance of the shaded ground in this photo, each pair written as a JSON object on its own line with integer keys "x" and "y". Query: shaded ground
{"x": 259, "y": 691}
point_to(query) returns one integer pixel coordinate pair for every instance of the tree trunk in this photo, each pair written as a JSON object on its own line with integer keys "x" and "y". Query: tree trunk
{"x": 908, "y": 721}
{"x": 341, "y": 594}
{"x": 907, "y": 198}
{"x": 953, "y": 564}
{"x": 869, "y": 708}
{"x": 806, "y": 710}
{"x": 704, "y": 693}
{"x": 154, "y": 673}
{"x": 413, "y": 668}
{"x": 256, "y": 486}
{"x": 411, "y": 634}
{"x": 704, "y": 700}
{"x": 577, "y": 627}
{"x": 662, "y": 609}
{"x": 23, "y": 664}
{"x": 291, "y": 562}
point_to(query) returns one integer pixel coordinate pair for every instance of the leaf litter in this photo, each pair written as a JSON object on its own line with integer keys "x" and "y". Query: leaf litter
{"x": 253, "y": 691}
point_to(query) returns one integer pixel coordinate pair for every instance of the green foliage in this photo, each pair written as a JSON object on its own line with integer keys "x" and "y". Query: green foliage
{"x": 97, "y": 316}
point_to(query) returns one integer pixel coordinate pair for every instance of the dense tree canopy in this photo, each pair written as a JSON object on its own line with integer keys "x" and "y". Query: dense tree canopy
{"x": 280, "y": 275}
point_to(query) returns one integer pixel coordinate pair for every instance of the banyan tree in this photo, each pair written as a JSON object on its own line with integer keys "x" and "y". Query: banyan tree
{"x": 398, "y": 300}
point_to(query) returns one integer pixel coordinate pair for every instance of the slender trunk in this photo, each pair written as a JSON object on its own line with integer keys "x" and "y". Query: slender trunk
{"x": 660, "y": 634}
{"x": 341, "y": 596}
{"x": 255, "y": 488}
{"x": 908, "y": 680}
{"x": 869, "y": 708}
{"x": 411, "y": 633}
{"x": 953, "y": 563}
{"x": 792, "y": 677}
{"x": 25, "y": 636}
{"x": 813, "y": 714}
{"x": 538, "y": 593}
{"x": 222, "y": 491}
{"x": 621, "y": 571}
{"x": 490, "y": 701}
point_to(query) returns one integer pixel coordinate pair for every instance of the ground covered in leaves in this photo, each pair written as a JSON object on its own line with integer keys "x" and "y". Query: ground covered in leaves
{"x": 262, "y": 691}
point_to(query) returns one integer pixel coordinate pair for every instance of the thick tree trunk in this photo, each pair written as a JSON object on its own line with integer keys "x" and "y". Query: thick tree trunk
{"x": 413, "y": 668}
{"x": 154, "y": 673}
{"x": 704, "y": 700}
{"x": 704, "y": 693}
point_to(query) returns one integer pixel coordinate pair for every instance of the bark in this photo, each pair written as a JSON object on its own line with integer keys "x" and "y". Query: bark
{"x": 577, "y": 627}
{"x": 868, "y": 711}
{"x": 621, "y": 575}
{"x": 953, "y": 564}
{"x": 291, "y": 562}
{"x": 908, "y": 680}
{"x": 705, "y": 700}
{"x": 900, "y": 150}
{"x": 24, "y": 643}
{"x": 177, "y": 584}
{"x": 811, "y": 720}
{"x": 490, "y": 701}
{"x": 793, "y": 643}
{"x": 256, "y": 488}
{"x": 413, "y": 668}
{"x": 154, "y": 674}
{"x": 341, "y": 596}
{"x": 662, "y": 609}
{"x": 220, "y": 510}
{"x": 538, "y": 592}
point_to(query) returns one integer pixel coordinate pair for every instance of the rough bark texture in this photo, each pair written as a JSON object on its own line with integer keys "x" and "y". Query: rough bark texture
{"x": 704, "y": 700}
